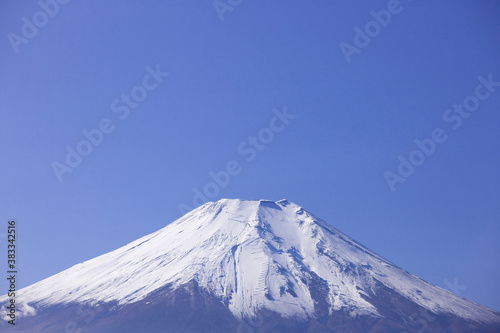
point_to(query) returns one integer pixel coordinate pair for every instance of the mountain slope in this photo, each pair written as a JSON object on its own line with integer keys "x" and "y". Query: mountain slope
{"x": 239, "y": 261}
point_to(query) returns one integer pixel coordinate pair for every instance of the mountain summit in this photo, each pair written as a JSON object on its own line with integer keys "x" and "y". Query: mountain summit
{"x": 243, "y": 266}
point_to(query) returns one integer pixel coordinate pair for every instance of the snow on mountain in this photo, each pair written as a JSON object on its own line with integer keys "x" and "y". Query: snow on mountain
{"x": 251, "y": 255}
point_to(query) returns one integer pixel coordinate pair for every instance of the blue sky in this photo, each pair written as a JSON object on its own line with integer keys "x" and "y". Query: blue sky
{"x": 231, "y": 72}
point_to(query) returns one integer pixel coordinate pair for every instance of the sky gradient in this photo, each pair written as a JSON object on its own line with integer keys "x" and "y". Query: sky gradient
{"x": 255, "y": 100}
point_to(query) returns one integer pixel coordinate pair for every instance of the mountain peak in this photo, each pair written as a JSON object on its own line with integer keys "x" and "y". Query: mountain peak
{"x": 250, "y": 255}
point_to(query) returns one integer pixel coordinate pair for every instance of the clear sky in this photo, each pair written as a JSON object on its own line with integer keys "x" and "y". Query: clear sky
{"x": 313, "y": 101}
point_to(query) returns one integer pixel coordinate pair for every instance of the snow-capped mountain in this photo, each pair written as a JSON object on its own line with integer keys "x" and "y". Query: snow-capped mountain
{"x": 247, "y": 266}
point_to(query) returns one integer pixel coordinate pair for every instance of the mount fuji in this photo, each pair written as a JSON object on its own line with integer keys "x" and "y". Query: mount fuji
{"x": 242, "y": 266}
